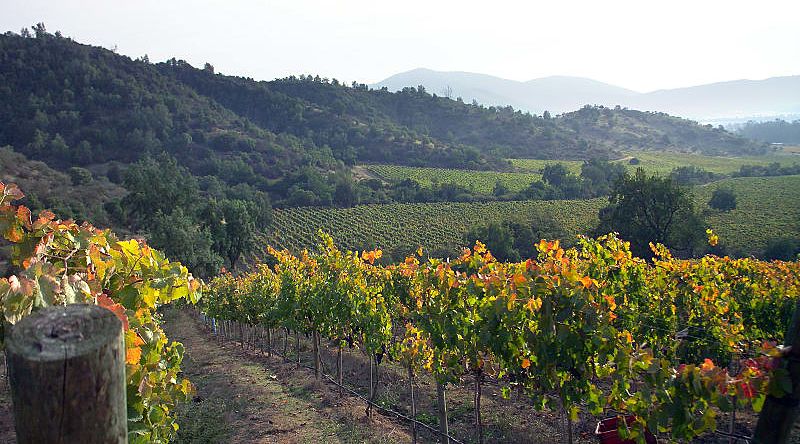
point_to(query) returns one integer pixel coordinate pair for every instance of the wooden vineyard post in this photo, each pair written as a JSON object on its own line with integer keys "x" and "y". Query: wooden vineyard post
{"x": 67, "y": 373}
{"x": 779, "y": 414}
{"x": 315, "y": 341}
{"x": 297, "y": 346}
{"x": 339, "y": 370}
{"x": 441, "y": 401}
{"x": 285, "y": 344}
{"x": 413, "y": 405}
{"x": 478, "y": 422}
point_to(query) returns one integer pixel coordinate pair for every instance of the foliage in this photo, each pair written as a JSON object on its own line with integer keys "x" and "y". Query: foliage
{"x": 652, "y": 209}
{"x": 165, "y": 201}
{"x": 776, "y": 131}
{"x": 592, "y": 327}
{"x": 692, "y": 175}
{"x": 513, "y": 240}
{"x": 64, "y": 263}
{"x": 723, "y": 199}
{"x": 783, "y": 249}
{"x": 627, "y": 129}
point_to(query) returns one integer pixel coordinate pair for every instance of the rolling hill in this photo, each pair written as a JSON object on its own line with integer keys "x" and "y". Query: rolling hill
{"x": 560, "y": 94}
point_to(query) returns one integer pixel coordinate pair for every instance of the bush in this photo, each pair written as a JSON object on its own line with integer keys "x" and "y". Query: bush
{"x": 723, "y": 199}
{"x": 782, "y": 248}
{"x": 79, "y": 176}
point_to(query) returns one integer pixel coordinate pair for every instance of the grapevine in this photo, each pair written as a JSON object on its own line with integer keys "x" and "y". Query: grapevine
{"x": 591, "y": 327}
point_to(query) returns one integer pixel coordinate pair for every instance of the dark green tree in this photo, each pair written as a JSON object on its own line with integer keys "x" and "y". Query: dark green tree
{"x": 723, "y": 199}
{"x": 645, "y": 209}
{"x": 179, "y": 235}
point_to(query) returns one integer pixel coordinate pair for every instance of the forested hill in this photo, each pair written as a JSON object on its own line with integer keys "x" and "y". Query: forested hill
{"x": 71, "y": 104}
{"x": 622, "y": 128}
{"x": 410, "y": 127}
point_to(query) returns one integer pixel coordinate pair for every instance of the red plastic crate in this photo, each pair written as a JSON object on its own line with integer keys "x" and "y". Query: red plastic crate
{"x": 607, "y": 433}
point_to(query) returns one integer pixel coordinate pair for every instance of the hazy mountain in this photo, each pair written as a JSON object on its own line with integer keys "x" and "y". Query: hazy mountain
{"x": 559, "y": 94}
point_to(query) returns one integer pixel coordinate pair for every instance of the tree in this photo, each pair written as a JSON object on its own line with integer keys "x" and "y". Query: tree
{"x": 500, "y": 189}
{"x": 158, "y": 184}
{"x": 554, "y": 174}
{"x": 79, "y": 176}
{"x": 645, "y": 209}
{"x": 497, "y": 237}
{"x": 513, "y": 240}
{"x": 782, "y": 248}
{"x": 723, "y": 199}
{"x": 178, "y": 235}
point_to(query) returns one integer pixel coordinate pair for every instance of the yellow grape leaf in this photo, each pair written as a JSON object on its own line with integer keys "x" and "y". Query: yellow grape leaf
{"x": 534, "y": 304}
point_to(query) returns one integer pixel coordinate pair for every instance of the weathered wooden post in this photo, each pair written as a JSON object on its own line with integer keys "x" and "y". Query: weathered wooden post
{"x": 441, "y": 404}
{"x": 67, "y": 372}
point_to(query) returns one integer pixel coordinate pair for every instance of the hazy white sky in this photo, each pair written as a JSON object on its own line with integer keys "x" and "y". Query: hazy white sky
{"x": 639, "y": 44}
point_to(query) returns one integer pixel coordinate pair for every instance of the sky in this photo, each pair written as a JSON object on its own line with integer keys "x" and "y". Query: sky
{"x": 642, "y": 45}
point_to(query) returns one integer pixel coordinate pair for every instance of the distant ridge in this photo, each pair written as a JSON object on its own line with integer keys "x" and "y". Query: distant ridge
{"x": 559, "y": 94}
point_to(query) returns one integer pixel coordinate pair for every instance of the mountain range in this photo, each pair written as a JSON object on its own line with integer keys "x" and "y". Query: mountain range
{"x": 559, "y": 94}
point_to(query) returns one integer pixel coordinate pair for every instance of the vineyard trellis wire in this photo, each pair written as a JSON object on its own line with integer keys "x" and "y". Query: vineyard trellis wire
{"x": 557, "y": 324}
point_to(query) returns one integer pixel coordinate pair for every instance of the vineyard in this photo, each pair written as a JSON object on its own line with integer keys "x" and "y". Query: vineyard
{"x": 404, "y": 227}
{"x": 664, "y": 162}
{"x": 590, "y": 329}
{"x": 536, "y": 165}
{"x": 766, "y": 207}
{"x": 479, "y": 181}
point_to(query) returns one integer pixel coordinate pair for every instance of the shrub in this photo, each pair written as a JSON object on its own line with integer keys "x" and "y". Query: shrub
{"x": 723, "y": 199}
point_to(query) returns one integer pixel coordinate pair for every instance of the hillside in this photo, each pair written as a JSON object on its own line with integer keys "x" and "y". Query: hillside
{"x": 74, "y": 105}
{"x": 627, "y": 129}
{"x": 410, "y": 127}
{"x": 560, "y": 94}
{"x": 190, "y": 150}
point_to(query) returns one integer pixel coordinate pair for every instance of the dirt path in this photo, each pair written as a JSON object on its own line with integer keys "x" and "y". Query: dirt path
{"x": 243, "y": 397}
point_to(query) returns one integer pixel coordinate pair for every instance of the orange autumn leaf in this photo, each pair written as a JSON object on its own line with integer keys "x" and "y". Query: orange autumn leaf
{"x": 526, "y": 363}
{"x": 628, "y": 336}
{"x": 707, "y": 365}
{"x": 104, "y": 301}
{"x": 132, "y": 355}
{"x": 586, "y": 281}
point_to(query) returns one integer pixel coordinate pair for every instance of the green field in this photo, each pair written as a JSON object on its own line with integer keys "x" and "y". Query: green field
{"x": 435, "y": 226}
{"x": 480, "y": 181}
{"x": 536, "y": 165}
{"x": 529, "y": 170}
{"x": 767, "y": 207}
{"x": 664, "y": 163}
